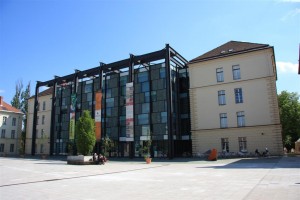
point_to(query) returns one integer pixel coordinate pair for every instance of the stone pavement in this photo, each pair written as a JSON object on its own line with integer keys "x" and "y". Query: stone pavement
{"x": 263, "y": 178}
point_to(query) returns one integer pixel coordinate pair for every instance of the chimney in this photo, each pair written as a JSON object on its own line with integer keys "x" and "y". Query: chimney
{"x": 1, "y": 99}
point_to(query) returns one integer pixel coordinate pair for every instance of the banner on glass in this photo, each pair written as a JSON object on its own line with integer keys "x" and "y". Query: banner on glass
{"x": 98, "y": 98}
{"x": 129, "y": 111}
{"x": 72, "y": 117}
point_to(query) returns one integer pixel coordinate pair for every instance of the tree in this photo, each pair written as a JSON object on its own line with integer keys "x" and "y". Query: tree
{"x": 20, "y": 101}
{"x": 85, "y": 133}
{"x": 107, "y": 145}
{"x": 25, "y": 95}
{"x": 16, "y": 101}
{"x": 289, "y": 109}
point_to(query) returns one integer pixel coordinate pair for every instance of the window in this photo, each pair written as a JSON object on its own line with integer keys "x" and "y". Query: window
{"x": 88, "y": 88}
{"x": 240, "y": 118}
{"x": 37, "y": 120}
{"x": 1, "y": 147}
{"x": 145, "y": 87}
{"x": 225, "y": 144}
{"x": 162, "y": 73}
{"x": 147, "y": 97}
{"x": 236, "y": 73}
{"x": 221, "y": 97}
{"x": 143, "y": 119}
{"x": 44, "y": 105}
{"x": 220, "y": 75}
{"x": 12, "y": 147}
{"x": 223, "y": 120}
{"x": 243, "y": 144}
{"x": 238, "y": 95}
{"x": 145, "y": 108}
{"x": 42, "y": 133}
{"x": 153, "y": 96}
{"x": 163, "y": 117}
{"x": 3, "y": 133}
{"x": 14, "y": 121}
{"x": 64, "y": 101}
{"x": 108, "y": 112}
{"x": 110, "y": 102}
{"x": 4, "y": 120}
{"x": 142, "y": 77}
{"x": 13, "y": 134}
{"x": 42, "y": 148}
{"x": 43, "y": 119}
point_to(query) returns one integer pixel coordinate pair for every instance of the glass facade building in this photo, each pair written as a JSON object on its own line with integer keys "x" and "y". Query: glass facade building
{"x": 132, "y": 100}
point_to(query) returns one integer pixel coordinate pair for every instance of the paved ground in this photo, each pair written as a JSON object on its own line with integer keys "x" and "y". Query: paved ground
{"x": 268, "y": 178}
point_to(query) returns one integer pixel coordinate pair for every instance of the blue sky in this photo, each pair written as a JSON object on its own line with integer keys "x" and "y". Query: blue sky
{"x": 40, "y": 39}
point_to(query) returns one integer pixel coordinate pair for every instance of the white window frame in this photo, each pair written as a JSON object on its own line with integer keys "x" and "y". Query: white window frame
{"x": 221, "y": 97}
{"x": 223, "y": 120}
{"x": 236, "y": 72}
{"x": 243, "y": 144}
{"x": 240, "y": 118}
{"x": 220, "y": 74}
{"x": 238, "y": 95}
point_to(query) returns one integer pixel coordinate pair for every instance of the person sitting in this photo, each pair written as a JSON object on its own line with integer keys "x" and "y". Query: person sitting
{"x": 101, "y": 159}
{"x": 257, "y": 153}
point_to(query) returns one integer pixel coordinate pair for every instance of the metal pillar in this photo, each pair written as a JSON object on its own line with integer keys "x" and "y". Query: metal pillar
{"x": 169, "y": 104}
{"x": 131, "y": 79}
{"x": 52, "y": 127}
{"x": 36, "y": 104}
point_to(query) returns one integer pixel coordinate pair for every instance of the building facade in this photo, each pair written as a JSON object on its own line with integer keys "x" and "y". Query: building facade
{"x": 133, "y": 100}
{"x": 233, "y": 99}
{"x": 11, "y": 129}
{"x": 43, "y": 123}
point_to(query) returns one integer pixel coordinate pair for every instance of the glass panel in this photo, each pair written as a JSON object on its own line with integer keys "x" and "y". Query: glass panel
{"x": 110, "y": 102}
{"x": 142, "y": 77}
{"x": 162, "y": 72}
{"x": 145, "y": 108}
{"x": 143, "y": 119}
{"x": 88, "y": 88}
{"x": 164, "y": 117}
{"x": 145, "y": 87}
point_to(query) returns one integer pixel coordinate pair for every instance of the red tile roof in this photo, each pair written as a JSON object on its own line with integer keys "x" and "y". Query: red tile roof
{"x": 8, "y": 108}
{"x": 229, "y": 49}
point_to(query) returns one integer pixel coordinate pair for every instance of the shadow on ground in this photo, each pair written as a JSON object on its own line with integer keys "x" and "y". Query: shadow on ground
{"x": 263, "y": 163}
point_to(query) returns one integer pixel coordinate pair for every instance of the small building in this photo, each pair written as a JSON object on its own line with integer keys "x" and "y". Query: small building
{"x": 233, "y": 99}
{"x": 43, "y": 123}
{"x": 11, "y": 128}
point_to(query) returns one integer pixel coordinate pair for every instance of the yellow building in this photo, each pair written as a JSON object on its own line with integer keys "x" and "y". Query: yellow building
{"x": 42, "y": 142}
{"x": 11, "y": 129}
{"x": 233, "y": 100}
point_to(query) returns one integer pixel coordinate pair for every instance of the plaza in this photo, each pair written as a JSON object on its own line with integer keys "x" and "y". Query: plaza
{"x": 180, "y": 178}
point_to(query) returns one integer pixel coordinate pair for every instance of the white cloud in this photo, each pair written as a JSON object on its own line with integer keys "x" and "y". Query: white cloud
{"x": 287, "y": 67}
{"x": 291, "y": 14}
{"x": 292, "y": 1}
{"x": 2, "y": 91}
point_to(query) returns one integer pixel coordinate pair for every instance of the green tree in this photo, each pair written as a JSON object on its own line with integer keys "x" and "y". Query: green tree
{"x": 107, "y": 146}
{"x": 289, "y": 109}
{"x": 20, "y": 101}
{"x": 16, "y": 101}
{"x": 85, "y": 133}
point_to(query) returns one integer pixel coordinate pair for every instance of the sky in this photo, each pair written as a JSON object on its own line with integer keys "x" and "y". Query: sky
{"x": 43, "y": 38}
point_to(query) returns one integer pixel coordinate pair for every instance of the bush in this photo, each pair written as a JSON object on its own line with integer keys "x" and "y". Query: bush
{"x": 85, "y": 134}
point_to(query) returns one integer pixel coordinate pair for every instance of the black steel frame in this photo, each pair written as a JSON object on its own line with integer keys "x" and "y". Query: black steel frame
{"x": 168, "y": 54}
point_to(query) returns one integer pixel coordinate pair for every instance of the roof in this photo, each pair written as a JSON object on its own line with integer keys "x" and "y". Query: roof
{"x": 44, "y": 93}
{"x": 8, "y": 108}
{"x": 229, "y": 49}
